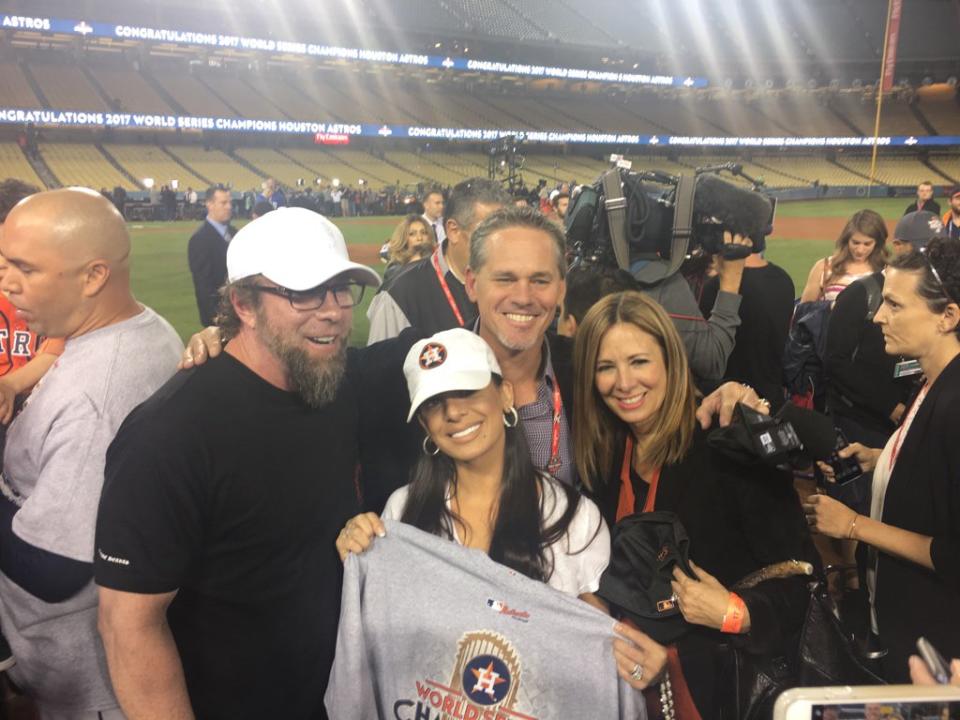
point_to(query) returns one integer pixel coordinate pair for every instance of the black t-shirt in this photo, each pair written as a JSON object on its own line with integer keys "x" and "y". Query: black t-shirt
{"x": 232, "y": 492}
{"x": 765, "y": 312}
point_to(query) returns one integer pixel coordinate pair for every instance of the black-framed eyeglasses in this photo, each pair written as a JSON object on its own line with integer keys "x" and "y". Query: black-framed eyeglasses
{"x": 345, "y": 295}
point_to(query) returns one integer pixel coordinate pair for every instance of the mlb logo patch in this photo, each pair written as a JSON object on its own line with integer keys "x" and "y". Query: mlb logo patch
{"x": 433, "y": 355}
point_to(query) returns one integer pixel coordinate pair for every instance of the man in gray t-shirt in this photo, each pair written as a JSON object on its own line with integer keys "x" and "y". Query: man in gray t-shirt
{"x": 68, "y": 254}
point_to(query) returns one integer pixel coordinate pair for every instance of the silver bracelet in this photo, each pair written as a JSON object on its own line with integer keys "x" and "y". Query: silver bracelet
{"x": 666, "y": 698}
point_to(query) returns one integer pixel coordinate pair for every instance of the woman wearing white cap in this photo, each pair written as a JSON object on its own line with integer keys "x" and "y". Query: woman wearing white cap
{"x": 476, "y": 485}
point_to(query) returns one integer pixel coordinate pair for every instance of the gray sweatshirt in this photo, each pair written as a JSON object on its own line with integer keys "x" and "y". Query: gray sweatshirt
{"x": 435, "y": 631}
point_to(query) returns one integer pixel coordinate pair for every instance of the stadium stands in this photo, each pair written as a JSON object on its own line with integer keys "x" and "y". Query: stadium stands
{"x": 15, "y": 165}
{"x": 949, "y": 166}
{"x": 153, "y": 162}
{"x": 14, "y": 88}
{"x": 217, "y": 166}
{"x": 274, "y": 165}
{"x": 492, "y": 17}
{"x": 192, "y": 95}
{"x": 66, "y": 87}
{"x": 83, "y": 164}
{"x": 128, "y": 90}
{"x": 891, "y": 171}
{"x": 943, "y": 114}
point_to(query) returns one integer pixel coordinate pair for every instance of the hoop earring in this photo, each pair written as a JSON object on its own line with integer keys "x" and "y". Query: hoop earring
{"x": 427, "y": 451}
{"x": 510, "y": 417}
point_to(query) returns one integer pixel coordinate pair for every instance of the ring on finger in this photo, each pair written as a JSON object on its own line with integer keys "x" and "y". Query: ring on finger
{"x": 637, "y": 673}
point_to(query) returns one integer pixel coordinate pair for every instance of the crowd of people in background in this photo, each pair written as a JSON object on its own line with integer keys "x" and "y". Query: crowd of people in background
{"x": 178, "y": 544}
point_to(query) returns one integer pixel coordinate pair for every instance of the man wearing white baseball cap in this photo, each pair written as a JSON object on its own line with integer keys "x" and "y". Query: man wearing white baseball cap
{"x": 220, "y": 583}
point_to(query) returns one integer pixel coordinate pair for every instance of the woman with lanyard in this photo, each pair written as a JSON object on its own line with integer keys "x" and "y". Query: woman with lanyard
{"x": 639, "y": 448}
{"x": 913, "y": 531}
{"x": 476, "y": 485}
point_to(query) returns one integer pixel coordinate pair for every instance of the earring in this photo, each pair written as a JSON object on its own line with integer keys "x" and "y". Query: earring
{"x": 426, "y": 450}
{"x": 510, "y": 417}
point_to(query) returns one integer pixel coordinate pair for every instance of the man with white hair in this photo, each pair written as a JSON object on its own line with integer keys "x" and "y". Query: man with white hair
{"x": 224, "y": 492}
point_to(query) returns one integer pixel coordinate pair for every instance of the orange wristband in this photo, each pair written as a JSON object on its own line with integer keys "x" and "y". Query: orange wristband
{"x": 733, "y": 617}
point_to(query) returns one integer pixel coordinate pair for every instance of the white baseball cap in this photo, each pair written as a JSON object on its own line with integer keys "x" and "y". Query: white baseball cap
{"x": 294, "y": 247}
{"x": 450, "y": 360}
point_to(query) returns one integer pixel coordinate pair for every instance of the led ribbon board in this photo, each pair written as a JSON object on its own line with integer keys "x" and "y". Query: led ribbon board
{"x": 288, "y": 47}
{"x": 140, "y": 121}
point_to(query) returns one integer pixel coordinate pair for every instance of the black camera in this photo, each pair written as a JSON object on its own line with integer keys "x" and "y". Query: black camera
{"x": 648, "y": 222}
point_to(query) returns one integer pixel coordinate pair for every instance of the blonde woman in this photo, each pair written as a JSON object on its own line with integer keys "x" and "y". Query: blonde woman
{"x": 412, "y": 239}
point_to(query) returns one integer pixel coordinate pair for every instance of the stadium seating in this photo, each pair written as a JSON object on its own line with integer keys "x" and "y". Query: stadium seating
{"x": 14, "y": 88}
{"x": 152, "y": 162}
{"x": 802, "y": 115}
{"x": 82, "y": 164}
{"x": 217, "y": 166}
{"x": 895, "y": 117}
{"x": 562, "y": 22}
{"x": 15, "y": 165}
{"x": 192, "y": 95}
{"x": 890, "y": 170}
{"x": 823, "y": 171}
{"x": 950, "y": 165}
{"x": 66, "y": 87}
{"x": 275, "y": 165}
{"x": 328, "y": 166}
{"x": 491, "y": 17}
{"x": 129, "y": 90}
{"x": 943, "y": 114}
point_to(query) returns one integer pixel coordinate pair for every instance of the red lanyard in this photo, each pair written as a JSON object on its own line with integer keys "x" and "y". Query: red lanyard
{"x": 553, "y": 466}
{"x": 908, "y": 420}
{"x": 626, "y": 503}
{"x": 446, "y": 288}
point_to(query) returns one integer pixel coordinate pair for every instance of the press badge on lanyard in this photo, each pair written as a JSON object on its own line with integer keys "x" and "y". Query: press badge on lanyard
{"x": 906, "y": 368}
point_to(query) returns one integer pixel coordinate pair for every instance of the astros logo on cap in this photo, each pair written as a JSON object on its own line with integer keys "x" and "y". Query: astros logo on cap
{"x": 432, "y": 355}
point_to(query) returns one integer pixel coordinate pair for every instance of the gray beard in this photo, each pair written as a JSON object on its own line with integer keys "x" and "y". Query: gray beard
{"x": 315, "y": 381}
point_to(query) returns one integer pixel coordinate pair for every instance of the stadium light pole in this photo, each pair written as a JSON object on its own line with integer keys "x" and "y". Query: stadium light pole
{"x": 894, "y": 8}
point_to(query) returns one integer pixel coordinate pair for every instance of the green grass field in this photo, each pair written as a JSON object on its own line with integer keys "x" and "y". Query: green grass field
{"x": 161, "y": 278}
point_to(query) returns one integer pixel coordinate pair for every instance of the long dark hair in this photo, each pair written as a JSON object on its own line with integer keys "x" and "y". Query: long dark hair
{"x": 519, "y": 536}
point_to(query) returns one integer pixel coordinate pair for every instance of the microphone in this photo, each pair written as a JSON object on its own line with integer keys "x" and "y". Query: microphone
{"x": 738, "y": 210}
{"x": 814, "y": 429}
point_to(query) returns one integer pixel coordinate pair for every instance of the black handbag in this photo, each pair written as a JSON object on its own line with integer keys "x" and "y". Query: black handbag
{"x": 824, "y": 654}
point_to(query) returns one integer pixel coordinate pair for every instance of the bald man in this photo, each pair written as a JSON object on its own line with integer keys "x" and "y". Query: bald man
{"x": 68, "y": 276}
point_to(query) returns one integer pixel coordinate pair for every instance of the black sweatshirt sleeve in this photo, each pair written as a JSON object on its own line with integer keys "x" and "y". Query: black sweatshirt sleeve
{"x": 45, "y": 575}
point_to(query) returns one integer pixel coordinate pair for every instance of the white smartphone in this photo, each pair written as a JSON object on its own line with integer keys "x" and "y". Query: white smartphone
{"x": 873, "y": 702}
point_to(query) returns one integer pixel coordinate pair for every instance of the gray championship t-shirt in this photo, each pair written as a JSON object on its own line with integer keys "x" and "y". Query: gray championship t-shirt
{"x": 53, "y": 470}
{"x": 432, "y": 629}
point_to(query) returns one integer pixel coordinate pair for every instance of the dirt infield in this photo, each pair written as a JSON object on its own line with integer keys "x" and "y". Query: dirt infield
{"x": 796, "y": 228}
{"x": 364, "y": 254}
{"x": 815, "y": 228}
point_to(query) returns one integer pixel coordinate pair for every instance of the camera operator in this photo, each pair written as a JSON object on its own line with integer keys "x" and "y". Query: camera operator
{"x": 913, "y": 529}
{"x": 765, "y": 309}
{"x": 708, "y": 342}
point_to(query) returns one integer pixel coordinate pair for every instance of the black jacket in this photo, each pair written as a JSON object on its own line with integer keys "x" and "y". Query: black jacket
{"x": 930, "y": 205}
{"x": 207, "y": 254}
{"x": 739, "y": 519}
{"x": 923, "y": 496}
{"x": 861, "y": 384}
